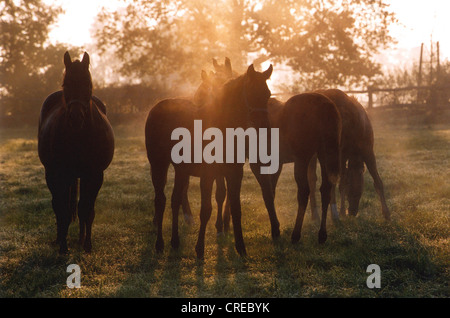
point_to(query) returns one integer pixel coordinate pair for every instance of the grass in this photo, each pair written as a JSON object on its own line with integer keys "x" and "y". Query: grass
{"x": 412, "y": 250}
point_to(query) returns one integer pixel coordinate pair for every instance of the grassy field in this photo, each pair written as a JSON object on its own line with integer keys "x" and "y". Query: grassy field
{"x": 413, "y": 152}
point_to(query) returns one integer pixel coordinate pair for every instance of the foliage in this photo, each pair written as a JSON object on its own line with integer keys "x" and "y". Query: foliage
{"x": 128, "y": 98}
{"x": 30, "y": 67}
{"x": 328, "y": 42}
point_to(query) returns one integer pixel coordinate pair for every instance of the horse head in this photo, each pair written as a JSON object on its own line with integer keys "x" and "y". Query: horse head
{"x": 223, "y": 72}
{"x": 211, "y": 83}
{"x": 204, "y": 94}
{"x": 256, "y": 95}
{"x": 355, "y": 183}
{"x": 77, "y": 90}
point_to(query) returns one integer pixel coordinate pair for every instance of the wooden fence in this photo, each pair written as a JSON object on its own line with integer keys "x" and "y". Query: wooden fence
{"x": 411, "y": 95}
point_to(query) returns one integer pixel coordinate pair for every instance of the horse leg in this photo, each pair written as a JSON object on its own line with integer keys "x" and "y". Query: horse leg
{"x": 73, "y": 199}
{"x": 369, "y": 159}
{"x": 206, "y": 184}
{"x": 234, "y": 181}
{"x": 343, "y": 186}
{"x": 265, "y": 183}
{"x": 312, "y": 179}
{"x": 355, "y": 183}
{"x": 187, "y": 213}
{"x": 159, "y": 179}
{"x": 89, "y": 188}
{"x": 274, "y": 179}
{"x": 301, "y": 178}
{"x": 221, "y": 193}
{"x": 325, "y": 193}
{"x": 226, "y": 215}
{"x": 181, "y": 182}
{"x": 60, "y": 189}
{"x": 333, "y": 205}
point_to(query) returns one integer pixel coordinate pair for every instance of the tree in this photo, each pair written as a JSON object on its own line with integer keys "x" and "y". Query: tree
{"x": 326, "y": 42}
{"x": 30, "y": 68}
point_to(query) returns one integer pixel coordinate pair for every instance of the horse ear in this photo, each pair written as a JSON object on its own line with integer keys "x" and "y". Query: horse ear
{"x": 86, "y": 60}
{"x": 268, "y": 72}
{"x": 67, "y": 59}
{"x": 228, "y": 65}
{"x": 251, "y": 71}
{"x": 204, "y": 76}
{"x": 215, "y": 64}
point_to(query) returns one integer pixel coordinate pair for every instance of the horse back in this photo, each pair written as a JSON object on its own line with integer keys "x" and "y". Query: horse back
{"x": 99, "y": 104}
{"x": 162, "y": 119}
{"x": 57, "y": 146}
{"x": 310, "y": 114}
{"x": 55, "y": 100}
{"x": 357, "y": 130}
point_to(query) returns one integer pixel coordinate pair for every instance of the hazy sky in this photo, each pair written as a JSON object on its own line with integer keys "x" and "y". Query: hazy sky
{"x": 420, "y": 19}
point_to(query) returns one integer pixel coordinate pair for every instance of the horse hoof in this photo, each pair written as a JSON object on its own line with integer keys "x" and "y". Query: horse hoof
{"x": 322, "y": 237}
{"x": 175, "y": 243}
{"x": 159, "y": 247}
{"x": 200, "y": 252}
{"x": 241, "y": 251}
{"x": 275, "y": 234}
{"x": 63, "y": 250}
{"x": 88, "y": 248}
{"x": 295, "y": 237}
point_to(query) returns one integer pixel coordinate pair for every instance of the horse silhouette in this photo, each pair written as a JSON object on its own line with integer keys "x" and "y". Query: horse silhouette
{"x": 75, "y": 145}
{"x": 241, "y": 102}
{"x": 357, "y": 142}
{"x": 312, "y": 111}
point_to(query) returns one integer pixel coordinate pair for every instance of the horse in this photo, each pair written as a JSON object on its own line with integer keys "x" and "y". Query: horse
{"x": 309, "y": 124}
{"x": 357, "y": 142}
{"x": 239, "y": 100}
{"x": 274, "y": 109}
{"x": 75, "y": 146}
{"x": 204, "y": 96}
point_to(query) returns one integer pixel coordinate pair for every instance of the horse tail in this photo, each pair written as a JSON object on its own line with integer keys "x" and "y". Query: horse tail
{"x": 331, "y": 137}
{"x": 73, "y": 199}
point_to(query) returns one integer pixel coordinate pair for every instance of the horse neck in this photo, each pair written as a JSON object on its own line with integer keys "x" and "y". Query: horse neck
{"x": 92, "y": 112}
{"x": 231, "y": 107}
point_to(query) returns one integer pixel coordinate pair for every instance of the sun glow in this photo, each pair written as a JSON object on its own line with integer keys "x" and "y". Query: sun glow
{"x": 419, "y": 23}
{"x": 74, "y": 25}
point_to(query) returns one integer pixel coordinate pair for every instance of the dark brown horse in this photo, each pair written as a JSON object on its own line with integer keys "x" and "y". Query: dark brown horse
{"x": 309, "y": 124}
{"x": 357, "y": 142}
{"x": 242, "y": 102}
{"x": 75, "y": 142}
{"x": 203, "y": 98}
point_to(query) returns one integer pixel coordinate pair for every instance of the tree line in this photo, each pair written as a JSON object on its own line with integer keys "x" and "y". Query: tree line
{"x": 147, "y": 50}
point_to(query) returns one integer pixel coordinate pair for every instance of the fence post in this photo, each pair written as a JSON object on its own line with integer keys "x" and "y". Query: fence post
{"x": 370, "y": 92}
